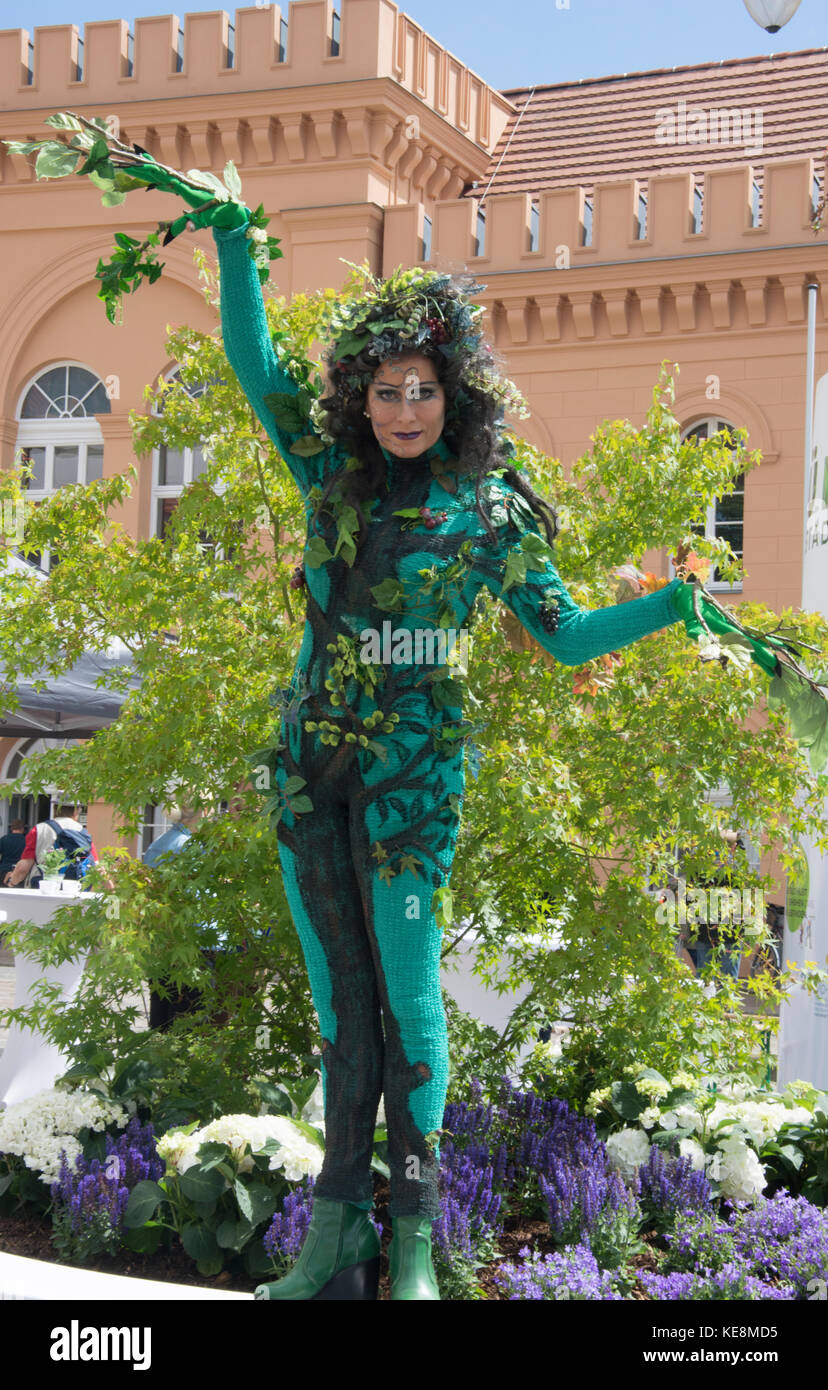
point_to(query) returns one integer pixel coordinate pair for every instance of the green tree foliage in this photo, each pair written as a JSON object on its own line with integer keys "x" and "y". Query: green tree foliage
{"x": 586, "y": 779}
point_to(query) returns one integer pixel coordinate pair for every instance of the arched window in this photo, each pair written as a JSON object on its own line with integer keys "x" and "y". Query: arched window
{"x": 58, "y": 434}
{"x": 174, "y": 469}
{"x": 726, "y": 515}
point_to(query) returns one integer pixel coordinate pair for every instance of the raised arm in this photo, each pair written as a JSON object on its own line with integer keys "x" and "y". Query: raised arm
{"x": 245, "y": 251}
{"x": 251, "y": 354}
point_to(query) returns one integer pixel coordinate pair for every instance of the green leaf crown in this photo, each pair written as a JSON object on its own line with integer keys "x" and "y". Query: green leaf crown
{"x": 410, "y": 310}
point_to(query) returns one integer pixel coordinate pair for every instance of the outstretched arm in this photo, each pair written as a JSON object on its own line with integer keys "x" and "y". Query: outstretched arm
{"x": 574, "y": 636}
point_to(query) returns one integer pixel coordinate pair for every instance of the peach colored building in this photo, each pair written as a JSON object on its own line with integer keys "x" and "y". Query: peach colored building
{"x": 616, "y": 223}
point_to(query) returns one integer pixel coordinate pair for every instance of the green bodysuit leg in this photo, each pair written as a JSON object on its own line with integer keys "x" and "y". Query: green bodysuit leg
{"x": 360, "y": 873}
{"x": 324, "y": 899}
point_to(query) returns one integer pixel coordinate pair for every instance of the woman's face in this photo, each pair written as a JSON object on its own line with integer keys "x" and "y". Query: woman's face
{"x": 406, "y": 405}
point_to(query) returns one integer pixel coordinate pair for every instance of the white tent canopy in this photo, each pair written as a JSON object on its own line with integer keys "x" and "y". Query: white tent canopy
{"x": 72, "y": 705}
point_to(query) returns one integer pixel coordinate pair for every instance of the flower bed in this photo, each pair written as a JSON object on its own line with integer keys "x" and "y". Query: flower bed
{"x": 668, "y": 1189}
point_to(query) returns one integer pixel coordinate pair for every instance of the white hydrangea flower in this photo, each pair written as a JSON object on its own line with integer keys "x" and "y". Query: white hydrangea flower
{"x": 692, "y": 1149}
{"x": 762, "y": 1117}
{"x": 652, "y": 1087}
{"x": 685, "y": 1079}
{"x": 794, "y": 1114}
{"x": 736, "y": 1167}
{"x": 596, "y": 1099}
{"x": 244, "y": 1135}
{"x": 548, "y": 1051}
{"x": 650, "y": 1116}
{"x": 765, "y": 1118}
{"x": 727, "y": 1089}
{"x": 683, "y": 1116}
{"x": 798, "y": 1089}
{"x": 627, "y": 1150}
{"x": 42, "y": 1127}
{"x": 722, "y": 1110}
{"x": 179, "y": 1151}
{"x": 297, "y": 1157}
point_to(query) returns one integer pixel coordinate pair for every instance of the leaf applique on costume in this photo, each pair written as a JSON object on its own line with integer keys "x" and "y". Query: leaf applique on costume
{"x": 389, "y": 595}
{"x": 515, "y": 571}
{"x": 447, "y": 481}
{"x": 348, "y": 528}
{"x": 291, "y": 413}
{"x": 308, "y": 446}
{"x": 442, "y": 905}
{"x": 408, "y": 861}
{"x": 317, "y": 553}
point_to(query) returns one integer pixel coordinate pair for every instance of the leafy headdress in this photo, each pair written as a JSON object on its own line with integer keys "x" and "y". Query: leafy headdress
{"x": 416, "y": 310}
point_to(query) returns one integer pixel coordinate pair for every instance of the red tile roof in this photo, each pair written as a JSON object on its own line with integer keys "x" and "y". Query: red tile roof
{"x": 605, "y": 127}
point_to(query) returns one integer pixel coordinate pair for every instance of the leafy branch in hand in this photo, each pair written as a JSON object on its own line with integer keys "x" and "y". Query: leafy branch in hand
{"x": 93, "y": 150}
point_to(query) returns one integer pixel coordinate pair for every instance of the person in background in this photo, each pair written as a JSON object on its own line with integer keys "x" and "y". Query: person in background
{"x": 40, "y": 839}
{"x": 11, "y": 848}
{"x": 175, "y": 838}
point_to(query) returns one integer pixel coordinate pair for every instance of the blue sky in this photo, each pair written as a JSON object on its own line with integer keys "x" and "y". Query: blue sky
{"x": 515, "y": 43}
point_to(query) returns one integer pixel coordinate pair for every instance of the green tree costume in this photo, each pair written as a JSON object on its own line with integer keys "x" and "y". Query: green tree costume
{"x": 361, "y": 868}
{"x": 379, "y": 741}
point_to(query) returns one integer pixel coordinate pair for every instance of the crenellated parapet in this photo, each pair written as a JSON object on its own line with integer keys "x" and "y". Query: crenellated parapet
{"x": 269, "y": 49}
{"x": 601, "y": 277}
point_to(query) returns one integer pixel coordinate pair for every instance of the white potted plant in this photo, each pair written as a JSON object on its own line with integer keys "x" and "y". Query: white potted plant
{"x": 53, "y": 862}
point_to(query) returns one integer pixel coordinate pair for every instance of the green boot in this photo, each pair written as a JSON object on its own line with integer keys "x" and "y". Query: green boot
{"x": 339, "y": 1259}
{"x": 409, "y": 1256}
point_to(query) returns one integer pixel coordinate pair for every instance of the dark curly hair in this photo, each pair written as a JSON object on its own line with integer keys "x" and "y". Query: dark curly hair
{"x": 471, "y": 431}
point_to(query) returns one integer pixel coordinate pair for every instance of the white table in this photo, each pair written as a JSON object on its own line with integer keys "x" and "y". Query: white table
{"x": 30, "y": 1063}
{"x": 479, "y": 999}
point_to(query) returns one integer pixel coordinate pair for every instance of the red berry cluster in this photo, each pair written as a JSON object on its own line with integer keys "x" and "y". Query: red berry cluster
{"x": 437, "y": 331}
{"x": 297, "y": 579}
{"x": 430, "y": 519}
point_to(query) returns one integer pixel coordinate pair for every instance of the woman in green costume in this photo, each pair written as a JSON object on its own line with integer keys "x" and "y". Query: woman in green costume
{"x": 413, "y": 508}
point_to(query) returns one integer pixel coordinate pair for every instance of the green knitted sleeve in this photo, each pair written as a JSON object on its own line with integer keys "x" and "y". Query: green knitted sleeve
{"x": 258, "y": 363}
{"x": 520, "y": 571}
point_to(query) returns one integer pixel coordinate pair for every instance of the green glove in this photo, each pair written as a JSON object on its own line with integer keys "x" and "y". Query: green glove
{"x": 790, "y": 688}
{"x": 718, "y": 623}
{"x": 209, "y": 211}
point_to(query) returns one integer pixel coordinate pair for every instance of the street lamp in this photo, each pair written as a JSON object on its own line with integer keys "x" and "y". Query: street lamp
{"x": 772, "y": 14}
